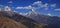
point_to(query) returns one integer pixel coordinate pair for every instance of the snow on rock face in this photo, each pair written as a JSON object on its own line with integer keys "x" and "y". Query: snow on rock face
{"x": 6, "y": 8}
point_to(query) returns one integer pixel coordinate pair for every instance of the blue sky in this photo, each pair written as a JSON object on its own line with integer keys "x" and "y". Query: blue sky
{"x": 46, "y": 7}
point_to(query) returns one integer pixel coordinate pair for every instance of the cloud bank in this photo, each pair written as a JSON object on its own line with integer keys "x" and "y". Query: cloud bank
{"x": 38, "y": 5}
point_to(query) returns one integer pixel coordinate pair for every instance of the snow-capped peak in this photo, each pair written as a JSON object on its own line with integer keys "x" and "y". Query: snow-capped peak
{"x": 32, "y": 12}
{"x": 6, "y": 8}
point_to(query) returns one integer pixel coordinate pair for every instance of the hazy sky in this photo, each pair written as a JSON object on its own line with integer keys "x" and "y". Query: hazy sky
{"x": 47, "y": 7}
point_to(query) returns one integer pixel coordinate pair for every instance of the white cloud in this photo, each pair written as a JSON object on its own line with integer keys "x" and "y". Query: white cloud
{"x": 22, "y": 8}
{"x": 38, "y": 2}
{"x": 53, "y": 5}
{"x": 57, "y": 9}
{"x": 23, "y": 14}
{"x": 10, "y": 2}
{"x": 46, "y": 6}
{"x": 38, "y": 5}
{"x": 19, "y": 7}
{"x": 26, "y": 7}
{"x": 30, "y": 7}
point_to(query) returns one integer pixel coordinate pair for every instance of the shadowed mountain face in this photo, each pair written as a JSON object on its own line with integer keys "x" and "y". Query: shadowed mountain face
{"x": 29, "y": 23}
{"x": 52, "y": 21}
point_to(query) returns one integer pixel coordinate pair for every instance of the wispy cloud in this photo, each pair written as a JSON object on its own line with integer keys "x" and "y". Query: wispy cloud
{"x": 57, "y": 9}
{"x": 26, "y": 7}
{"x": 10, "y": 2}
{"x": 30, "y": 6}
{"x": 46, "y": 6}
{"x": 37, "y": 2}
{"x": 23, "y": 14}
{"x": 38, "y": 5}
{"x": 53, "y": 5}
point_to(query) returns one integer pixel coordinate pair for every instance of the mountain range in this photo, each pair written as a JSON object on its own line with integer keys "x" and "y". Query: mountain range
{"x": 10, "y": 19}
{"x": 52, "y": 21}
{"x": 24, "y": 21}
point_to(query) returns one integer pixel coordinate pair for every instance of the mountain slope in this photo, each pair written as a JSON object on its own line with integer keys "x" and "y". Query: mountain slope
{"x": 6, "y": 22}
{"x": 52, "y": 21}
{"x": 34, "y": 20}
{"x": 31, "y": 20}
{"x": 25, "y": 21}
